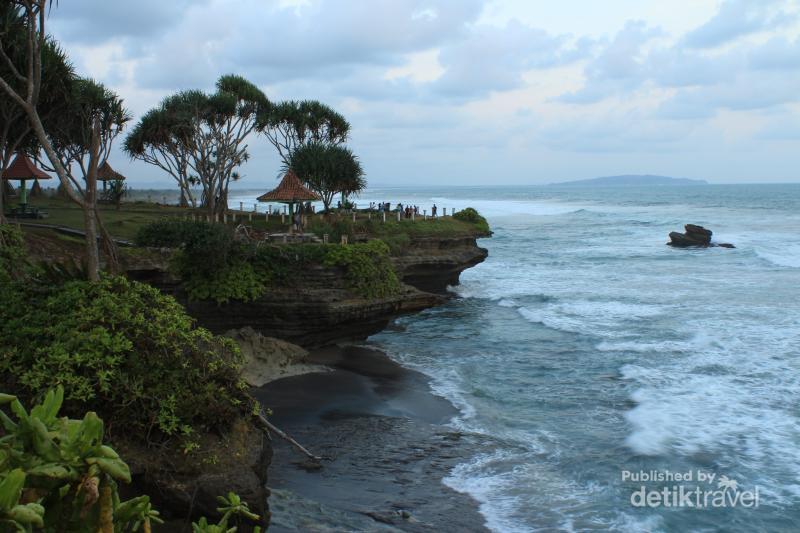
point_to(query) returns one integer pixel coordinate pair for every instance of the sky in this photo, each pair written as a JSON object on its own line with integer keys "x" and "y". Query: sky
{"x": 477, "y": 92}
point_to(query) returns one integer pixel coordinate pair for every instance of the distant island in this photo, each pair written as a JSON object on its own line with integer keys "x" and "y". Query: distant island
{"x": 631, "y": 180}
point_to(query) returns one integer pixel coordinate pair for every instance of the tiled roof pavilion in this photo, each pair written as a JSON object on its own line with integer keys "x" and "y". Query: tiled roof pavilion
{"x": 290, "y": 190}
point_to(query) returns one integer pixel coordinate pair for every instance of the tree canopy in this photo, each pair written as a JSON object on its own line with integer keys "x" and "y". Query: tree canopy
{"x": 201, "y": 138}
{"x": 292, "y": 124}
{"x": 89, "y": 104}
{"x": 15, "y": 128}
{"x": 327, "y": 169}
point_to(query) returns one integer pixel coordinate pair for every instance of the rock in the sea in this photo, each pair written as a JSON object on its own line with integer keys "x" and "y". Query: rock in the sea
{"x": 694, "y": 236}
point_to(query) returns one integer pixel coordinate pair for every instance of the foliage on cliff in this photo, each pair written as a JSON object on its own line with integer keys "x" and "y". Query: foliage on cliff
{"x": 57, "y": 475}
{"x": 399, "y": 234}
{"x": 12, "y": 253}
{"x": 213, "y": 266}
{"x": 471, "y": 216}
{"x": 120, "y": 348}
{"x": 369, "y": 270}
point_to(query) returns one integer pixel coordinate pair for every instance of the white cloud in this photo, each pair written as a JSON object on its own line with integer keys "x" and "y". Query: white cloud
{"x": 737, "y": 18}
{"x": 464, "y": 87}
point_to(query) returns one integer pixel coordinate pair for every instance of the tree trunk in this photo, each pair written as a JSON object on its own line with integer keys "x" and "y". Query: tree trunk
{"x": 2, "y": 204}
{"x": 92, "y": 251}
{"x": 89, "y": 207}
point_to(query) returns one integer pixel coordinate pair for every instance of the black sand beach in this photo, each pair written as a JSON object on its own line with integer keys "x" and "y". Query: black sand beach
{"x": 380, "y": 429}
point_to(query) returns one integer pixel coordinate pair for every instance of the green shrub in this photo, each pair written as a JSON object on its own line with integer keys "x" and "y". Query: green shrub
{"x": 238, "y": 281}
{"x": 175, "y": 233}
{"x": 213, "y": 266}
{"x": 334, "y": 227}
{"x": 282, "y": 264}
{"x": 124, "y": 350}
{"x": 57, "y": 475}
{"x": 369, "y": 269}
{"x": 471, "y": 216}
{"x": 12, "y": 253}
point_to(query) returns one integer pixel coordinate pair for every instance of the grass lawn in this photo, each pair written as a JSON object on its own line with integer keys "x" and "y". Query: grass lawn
{"x": 125, "y": 222}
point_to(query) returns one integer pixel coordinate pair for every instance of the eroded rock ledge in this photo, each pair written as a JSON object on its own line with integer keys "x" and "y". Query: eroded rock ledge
{"x": 320, "y": 308}
{"x": 433, "y": 264}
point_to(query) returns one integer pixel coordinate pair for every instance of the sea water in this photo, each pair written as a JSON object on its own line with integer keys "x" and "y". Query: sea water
{"x": 587, "y": 349}
{"x": 602, "y": 363}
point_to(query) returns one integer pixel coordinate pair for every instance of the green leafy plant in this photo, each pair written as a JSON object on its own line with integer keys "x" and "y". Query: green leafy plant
{"x": 12, "y": 253}
{"x": 232, "y": 507}
{"x": 232, "y": 282}
{"x": 369, "y": 270}
{"x": 472, "y": 216}
{"x": 56, "y": 474}
{"x": 213, "y": 266}
{"x": 124, "y": 350}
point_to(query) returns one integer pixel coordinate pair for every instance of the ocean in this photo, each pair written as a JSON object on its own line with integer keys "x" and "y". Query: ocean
{"x": 615, "y": 374}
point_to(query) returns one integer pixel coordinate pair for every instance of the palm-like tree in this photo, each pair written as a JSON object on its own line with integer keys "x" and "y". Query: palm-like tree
{"x": 291, "y": 125}
{"x": 328, "y": 170}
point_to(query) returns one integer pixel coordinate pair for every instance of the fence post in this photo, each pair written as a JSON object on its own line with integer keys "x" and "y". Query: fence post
{"x": 216, "y": 218}
{"x": 325, "y": 238}
{"x": 249, "y": 217}
{"x": 354, "y": 216}
{"x": 283, "y": 218}
{"x": 224, "y": 218}
{"x": 398, "y": 216}
{"x": 241, "y": 206}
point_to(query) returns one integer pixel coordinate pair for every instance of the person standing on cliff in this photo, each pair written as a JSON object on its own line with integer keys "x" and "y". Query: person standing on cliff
{"x": 433, "y": 210}
{"x": 298, "y": 221}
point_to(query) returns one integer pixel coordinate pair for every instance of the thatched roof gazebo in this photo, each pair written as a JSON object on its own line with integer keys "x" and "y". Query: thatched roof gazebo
{"x": 105, "y": 174}
{"x": 22, "y": 169}
{"x": 290, "y": 191}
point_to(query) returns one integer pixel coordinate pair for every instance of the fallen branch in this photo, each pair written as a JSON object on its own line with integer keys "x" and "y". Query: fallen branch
{"x": 269, "y": 426}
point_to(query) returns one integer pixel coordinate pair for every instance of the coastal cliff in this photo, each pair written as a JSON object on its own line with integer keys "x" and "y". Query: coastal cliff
{"x": 434, "y": 263}
{"x": 320, "y": 307}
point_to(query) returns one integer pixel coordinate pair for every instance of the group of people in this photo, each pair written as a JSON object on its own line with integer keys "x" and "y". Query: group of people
{"x": 407, "y": 211}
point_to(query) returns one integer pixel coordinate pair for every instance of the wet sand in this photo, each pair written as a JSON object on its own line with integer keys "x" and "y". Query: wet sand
{"x": 381, "y": 431}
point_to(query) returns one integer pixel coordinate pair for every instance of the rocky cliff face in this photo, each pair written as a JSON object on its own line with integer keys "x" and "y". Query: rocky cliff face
{"x": 432, "y": 264}
{"x": 319, "y": 308}
{"x": 184, "y": 486}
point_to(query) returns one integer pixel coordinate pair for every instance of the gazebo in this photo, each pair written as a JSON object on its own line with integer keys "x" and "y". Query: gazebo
{"x": 290, "y": 191}
{"x": 105, "y": 174}
{"x": 22, "y": 169}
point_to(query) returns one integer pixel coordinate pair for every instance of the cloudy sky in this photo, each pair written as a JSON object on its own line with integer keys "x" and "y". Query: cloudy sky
{"x": 479, "y": 91}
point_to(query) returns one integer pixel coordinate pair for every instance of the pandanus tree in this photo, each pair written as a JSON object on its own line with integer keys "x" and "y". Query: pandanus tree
{"x": 202, "y": 136}
{"x": 327, "y": 170}
{"x": 24, "y": 87}
{"x": 82, "y": 136}
{"x": 16, "y": 134}
{"x": 291, "y": 125}
{"x": 158, "y": 140}
{"x": 90, "y": 104}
